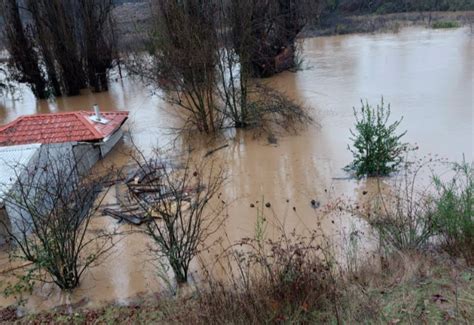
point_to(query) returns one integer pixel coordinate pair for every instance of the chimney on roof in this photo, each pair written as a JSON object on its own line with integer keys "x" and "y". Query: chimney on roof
{"x": 97, "y": 117}
{"x": 97, "y": 113}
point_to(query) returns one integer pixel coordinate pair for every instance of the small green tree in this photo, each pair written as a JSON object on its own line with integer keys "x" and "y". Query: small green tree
{"x": 376, "y": 147}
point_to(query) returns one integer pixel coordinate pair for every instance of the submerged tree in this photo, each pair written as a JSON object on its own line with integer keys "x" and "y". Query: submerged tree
{"x": 24, "y": 58}
{"x": 57, "y": 20}
{"x": 178, "y": 201}
{"x": 203, "y": 54}
{"x": 69, "y": 43}
{"x": 273, "y": 30}
{"x": 182, "y": 47}
{"x": 98, "y": 41}
{"x": 377, "y": 148}
{"x": 50, "y": 209}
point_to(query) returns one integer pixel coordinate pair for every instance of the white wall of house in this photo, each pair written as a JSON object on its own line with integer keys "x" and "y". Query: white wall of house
{"x": 37, "y": 170}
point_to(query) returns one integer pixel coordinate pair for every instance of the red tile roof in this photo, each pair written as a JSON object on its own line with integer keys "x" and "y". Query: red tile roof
{"x": 60, "y": 127}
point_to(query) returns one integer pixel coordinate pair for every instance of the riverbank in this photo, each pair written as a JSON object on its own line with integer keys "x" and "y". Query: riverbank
{"x": 373, "y": 23}
{"x": 427, "y": 287}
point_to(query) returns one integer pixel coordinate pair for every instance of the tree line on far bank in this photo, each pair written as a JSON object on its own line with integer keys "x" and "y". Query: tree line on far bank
{"x": 59, "y": 47}
{"x": 393, "y": 6}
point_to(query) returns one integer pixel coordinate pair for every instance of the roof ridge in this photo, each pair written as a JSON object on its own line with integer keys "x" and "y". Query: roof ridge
{"x": 105, "y": 112}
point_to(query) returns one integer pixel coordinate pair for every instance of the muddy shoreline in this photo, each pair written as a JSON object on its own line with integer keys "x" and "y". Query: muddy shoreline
{"x": 372, "y": 23}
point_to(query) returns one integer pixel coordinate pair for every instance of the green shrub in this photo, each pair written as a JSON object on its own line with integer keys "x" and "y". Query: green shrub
{"x": 445, "y": 24}
{"x": 377, "y": 148}
{"x": 454, "y": 217}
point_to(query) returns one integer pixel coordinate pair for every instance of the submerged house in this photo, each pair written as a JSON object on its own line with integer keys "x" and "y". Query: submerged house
{"x": 29, "y": 144}
{"x": 101, "y": 130}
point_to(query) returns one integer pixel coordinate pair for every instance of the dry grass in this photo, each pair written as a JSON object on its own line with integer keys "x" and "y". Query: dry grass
{"x": 406, "y": 287}
{"x": 283, "y": 281}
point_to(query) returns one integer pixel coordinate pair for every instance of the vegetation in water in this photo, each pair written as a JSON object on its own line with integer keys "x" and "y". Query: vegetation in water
{"x": 376, "y": 146}
{"x": 203, "y": 54}
{"x": 58, "y": 48}
{"x": 177, "y": 205}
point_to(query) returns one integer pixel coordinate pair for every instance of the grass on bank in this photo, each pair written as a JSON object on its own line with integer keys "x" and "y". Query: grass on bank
{"x": 411, "y": 288}
{"x": 442, "y": 24}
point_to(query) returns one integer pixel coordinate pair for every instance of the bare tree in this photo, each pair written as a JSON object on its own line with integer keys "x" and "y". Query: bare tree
{"x": 178, "y": 201}
{"x": 45, "y": 44}
{"x": 182, "y": 59}
{"x": 50, "y": 209}
{"x": 233, "y": 29}
{"x": 203, "y": 54}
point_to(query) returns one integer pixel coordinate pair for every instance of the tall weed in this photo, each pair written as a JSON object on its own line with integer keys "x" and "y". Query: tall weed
{"x": 454, "y": 217}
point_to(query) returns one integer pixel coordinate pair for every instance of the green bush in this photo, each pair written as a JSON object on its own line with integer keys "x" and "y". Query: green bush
{"x": 445, "y": 24}
{"x": 376, "y": 147}
{"x": 454, "y": 217}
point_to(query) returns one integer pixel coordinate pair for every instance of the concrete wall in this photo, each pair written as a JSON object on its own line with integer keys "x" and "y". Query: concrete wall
{"x": 110, "y": 143}
{"x": 86, "y": 155}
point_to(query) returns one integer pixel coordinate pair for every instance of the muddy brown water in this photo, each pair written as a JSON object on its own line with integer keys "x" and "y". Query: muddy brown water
{"x": 426, "y": 76}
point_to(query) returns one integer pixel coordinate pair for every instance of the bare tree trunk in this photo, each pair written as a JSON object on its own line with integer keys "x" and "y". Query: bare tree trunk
{"x": 59, "y": 17}
{"x": 98, "y": 40}
{"x": 44, "y": 41}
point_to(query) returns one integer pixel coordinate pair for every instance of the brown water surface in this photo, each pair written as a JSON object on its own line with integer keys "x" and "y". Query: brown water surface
{"x": 426, "y": 75}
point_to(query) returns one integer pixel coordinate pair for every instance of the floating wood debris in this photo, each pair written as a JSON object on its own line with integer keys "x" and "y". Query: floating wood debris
{"x": 210, "y": 152}
{"x": 133, "y": 217}
{"x": 140, "y": 194}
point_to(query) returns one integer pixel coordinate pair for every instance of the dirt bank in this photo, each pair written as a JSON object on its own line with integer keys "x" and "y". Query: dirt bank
{"x": 340, "y": 24}
{"x": 428, "y": 287}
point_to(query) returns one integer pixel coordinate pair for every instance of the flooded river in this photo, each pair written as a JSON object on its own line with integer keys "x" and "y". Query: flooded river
{"x": 426, "y": 76}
